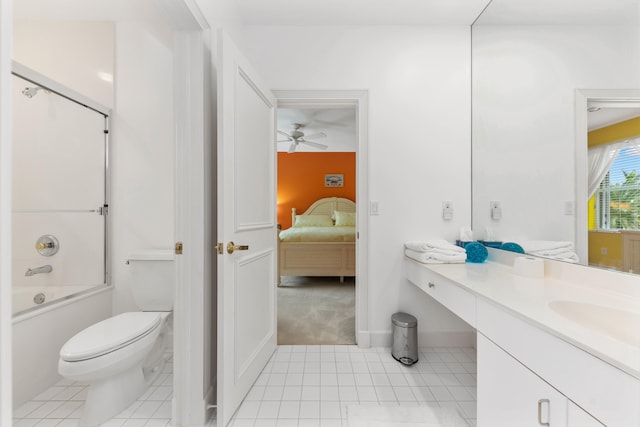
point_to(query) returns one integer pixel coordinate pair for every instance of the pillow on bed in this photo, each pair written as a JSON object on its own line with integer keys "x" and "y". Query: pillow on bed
{"x": 345, "y": 219}
{"x": 313, "y": 221}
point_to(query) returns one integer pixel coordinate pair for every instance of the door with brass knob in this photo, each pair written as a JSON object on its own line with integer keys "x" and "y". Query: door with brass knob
{"x": 246, "y": 214}
{"x": 231, "y": 247}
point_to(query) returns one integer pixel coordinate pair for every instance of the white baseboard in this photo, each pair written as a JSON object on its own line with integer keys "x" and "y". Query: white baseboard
{"x": 363, "y": 338}
{"x": 209, "y": 402}
{"x": 425, "y": 339}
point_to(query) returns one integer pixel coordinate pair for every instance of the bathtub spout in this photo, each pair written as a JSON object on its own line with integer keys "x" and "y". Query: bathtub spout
{"x": 44, "y": 269}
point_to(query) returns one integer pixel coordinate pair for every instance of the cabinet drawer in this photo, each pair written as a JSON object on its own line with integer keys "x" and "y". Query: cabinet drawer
{"x": 461, "y": 302}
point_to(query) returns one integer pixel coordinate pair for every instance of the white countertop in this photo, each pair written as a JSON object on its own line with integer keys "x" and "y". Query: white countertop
{"x": 529, "y": 299}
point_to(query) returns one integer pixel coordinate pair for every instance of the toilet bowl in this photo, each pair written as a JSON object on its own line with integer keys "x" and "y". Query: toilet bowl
{"x": 121, "y": 356}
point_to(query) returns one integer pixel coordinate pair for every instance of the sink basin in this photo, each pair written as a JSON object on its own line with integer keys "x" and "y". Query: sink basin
{"x": 618, "y": 324}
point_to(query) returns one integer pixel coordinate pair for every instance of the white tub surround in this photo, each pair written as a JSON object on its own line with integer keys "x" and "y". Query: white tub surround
{"x": 29, "y": 298}
{"x": 566, "y": 346}
{"x": 36, "y": 343}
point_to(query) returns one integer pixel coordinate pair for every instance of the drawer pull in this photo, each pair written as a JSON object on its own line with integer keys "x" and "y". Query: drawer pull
{"x": 432, "y": 285}
{"x": 540, "y": 403}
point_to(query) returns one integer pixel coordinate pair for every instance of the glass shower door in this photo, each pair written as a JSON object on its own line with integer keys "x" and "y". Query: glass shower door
{"x": 59, "y": 195}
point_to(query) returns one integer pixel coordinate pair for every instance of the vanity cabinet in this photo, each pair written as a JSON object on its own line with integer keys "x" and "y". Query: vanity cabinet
{"x": 509, "y": 394}
{"x": 576, "y": 417}
{"x": 528, "y": 374}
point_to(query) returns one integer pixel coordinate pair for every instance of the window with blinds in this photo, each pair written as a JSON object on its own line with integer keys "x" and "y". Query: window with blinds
{"x": 618, "y": 197}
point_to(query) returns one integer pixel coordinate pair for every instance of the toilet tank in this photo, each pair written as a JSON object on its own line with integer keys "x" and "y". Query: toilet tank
{"x": 153, "y": 274}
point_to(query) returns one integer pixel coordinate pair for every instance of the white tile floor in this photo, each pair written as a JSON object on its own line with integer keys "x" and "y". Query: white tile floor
{"x": 312, "y": 385}
{"x": 300, "y": 386}
{"x": 61, "y": 405}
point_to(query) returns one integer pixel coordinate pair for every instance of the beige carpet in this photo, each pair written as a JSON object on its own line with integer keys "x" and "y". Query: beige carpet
{"x": 316, "y": 310}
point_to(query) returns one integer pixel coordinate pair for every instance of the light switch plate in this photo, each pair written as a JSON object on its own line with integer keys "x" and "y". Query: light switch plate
{"x": 496, "y": 210}
{"x": 447, "y": 210}
{"x": 374, "y": 207}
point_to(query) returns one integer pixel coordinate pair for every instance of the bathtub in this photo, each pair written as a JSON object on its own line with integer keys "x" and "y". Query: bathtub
{"x": 30, "y": 298}
{"x": 39, "y": 332}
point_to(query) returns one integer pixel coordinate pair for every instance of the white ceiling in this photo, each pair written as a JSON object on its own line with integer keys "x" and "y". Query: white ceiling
{"x": 360, "y": 12}
{"x": 85, "y": 10}
{"x": 436, "y": 12}
{"x": 609, "y": 116}
{"x": 338, "y": 124}
{"x": 364, "y": 12}
{"x": 357, "y": 12}
{"x": 527, "y": 12}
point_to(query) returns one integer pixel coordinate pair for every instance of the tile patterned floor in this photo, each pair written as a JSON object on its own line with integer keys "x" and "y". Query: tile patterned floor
{"x": 61, "y": 405}
{"x": 301, "y": 386}
{"x": 305, "y": 386}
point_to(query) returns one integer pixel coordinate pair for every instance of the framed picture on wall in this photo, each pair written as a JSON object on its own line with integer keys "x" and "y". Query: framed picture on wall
{"x": 334, "y": 180}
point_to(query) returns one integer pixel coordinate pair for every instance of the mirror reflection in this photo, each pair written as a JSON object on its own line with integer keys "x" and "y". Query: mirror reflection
{"x": 613, "y": 185}
{"x": 534, "y": 65}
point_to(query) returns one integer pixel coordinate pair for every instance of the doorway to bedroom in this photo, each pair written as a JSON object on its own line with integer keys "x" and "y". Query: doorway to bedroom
{"x": 316, "y": 208}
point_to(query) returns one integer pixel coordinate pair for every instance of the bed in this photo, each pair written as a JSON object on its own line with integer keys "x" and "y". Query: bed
{"x": 321, "y": 241}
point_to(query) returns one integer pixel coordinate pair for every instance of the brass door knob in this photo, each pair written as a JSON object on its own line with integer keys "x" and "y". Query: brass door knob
{"x": 233, "y": 247}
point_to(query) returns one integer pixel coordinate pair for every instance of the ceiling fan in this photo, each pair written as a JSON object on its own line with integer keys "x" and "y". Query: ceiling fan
{"x": 297, "y": 137}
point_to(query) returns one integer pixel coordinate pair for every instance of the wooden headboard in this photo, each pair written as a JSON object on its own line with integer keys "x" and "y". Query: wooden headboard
{"x": 326, "y": 206}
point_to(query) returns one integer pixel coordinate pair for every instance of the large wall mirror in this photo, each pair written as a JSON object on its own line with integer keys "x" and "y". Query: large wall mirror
{"x": 544, "y": 74}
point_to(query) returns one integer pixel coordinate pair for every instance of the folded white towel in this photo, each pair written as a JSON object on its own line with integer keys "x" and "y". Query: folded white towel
{"x": 545, "y": 245}
{"x": 567, "y": 256}
{"x": 434, "y": 258}
{"x": 550, "y": 252}
{"x": 433, "y": 244}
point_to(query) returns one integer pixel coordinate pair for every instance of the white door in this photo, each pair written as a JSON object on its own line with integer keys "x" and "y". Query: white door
{"x": 246, "y": 217}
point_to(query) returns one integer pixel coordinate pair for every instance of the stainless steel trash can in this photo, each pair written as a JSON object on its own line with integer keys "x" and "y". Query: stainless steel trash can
{"x": 405, "y": 338}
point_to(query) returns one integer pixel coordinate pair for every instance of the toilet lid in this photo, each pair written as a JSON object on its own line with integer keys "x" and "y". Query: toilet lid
{"x": 109, "y": 335}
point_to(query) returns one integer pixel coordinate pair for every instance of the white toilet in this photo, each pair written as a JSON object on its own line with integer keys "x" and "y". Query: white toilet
{"x": 121, "y": 356}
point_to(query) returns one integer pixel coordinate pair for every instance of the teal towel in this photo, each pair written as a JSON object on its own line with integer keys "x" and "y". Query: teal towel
{"x": 476, "y": 252}
{"x": 512, "y": 247}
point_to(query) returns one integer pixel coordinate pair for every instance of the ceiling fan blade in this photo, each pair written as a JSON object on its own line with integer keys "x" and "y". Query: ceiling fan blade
{"x": 314, "y": 144}
{"x": 292, "y": 147}
{"x": 283, "y": 140}
{"x": 285, "y": 134}
{"x": 316, "y": 135}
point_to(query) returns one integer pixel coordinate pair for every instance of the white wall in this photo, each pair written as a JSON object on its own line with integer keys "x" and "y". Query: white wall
{"x": 77, "y": 54}
{"x": 418, "y": 80}
{"x": 142, "y": 143}
{"x": 523, "y": 112}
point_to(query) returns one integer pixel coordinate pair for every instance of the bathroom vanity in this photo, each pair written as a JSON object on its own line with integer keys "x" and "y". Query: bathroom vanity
{"x": 562, "y": 350}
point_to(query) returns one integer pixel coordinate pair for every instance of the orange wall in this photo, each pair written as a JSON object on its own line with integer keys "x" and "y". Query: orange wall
{"x": 301, "y": 180}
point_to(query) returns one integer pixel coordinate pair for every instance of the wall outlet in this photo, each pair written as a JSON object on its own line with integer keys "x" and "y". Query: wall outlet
{"x": 447, "y": 210}
{"x": 603, "y": 251}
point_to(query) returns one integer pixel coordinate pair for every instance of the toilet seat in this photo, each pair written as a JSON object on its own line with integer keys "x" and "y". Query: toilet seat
{"x": 110, "y": 335}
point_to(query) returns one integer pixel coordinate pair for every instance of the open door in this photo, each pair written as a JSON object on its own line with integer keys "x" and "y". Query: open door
{"x": 246, "y": 228}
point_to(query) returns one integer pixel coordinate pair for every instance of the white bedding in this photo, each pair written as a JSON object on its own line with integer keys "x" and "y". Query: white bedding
{"x": 318, "y": 234}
